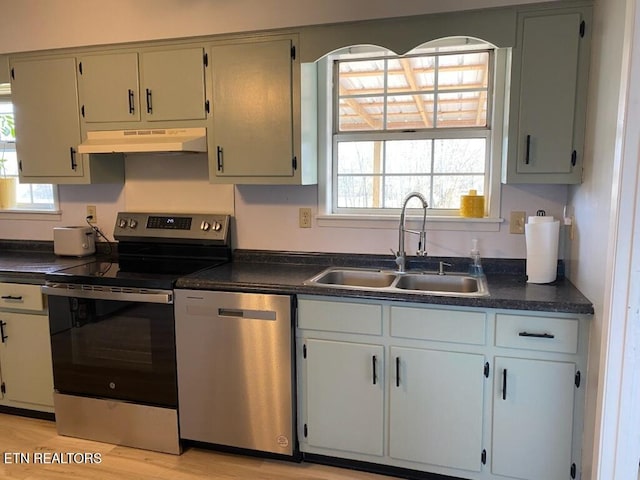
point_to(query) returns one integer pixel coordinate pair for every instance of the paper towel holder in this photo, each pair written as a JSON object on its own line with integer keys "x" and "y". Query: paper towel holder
{"x": 541, "y": 213}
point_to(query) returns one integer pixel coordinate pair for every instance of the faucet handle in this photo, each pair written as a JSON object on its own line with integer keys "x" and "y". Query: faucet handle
{"x": 441, "y": 267}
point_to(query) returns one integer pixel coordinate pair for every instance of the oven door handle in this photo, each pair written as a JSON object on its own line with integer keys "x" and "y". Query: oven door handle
{"x": 132, "y": 295}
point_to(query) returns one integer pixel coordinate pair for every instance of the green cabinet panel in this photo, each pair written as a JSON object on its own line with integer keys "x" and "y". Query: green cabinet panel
{"x": 533, "y": 406}
{"x": 548, "y": 98}
{"x": 108, "y": 87}
{"x": 173, "y": 84}
{"x": 252, "y": 109}
{"x": 45, "y": 101}
{"x": 344, "y": 400}
{"x": 148, "y": 86}
{"x": 436, "y": 407}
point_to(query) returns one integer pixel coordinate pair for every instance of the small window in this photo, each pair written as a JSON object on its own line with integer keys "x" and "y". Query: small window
{"x": 13, "y": 194}
{"x": 418, "y": 122}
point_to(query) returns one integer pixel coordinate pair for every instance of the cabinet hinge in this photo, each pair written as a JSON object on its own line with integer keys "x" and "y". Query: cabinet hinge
{"x": 80, "y": 68}
{"x": 82, "y": 111}
{"x": 306, "y": 430}
{"x": 304, "y": 351}
{"x": 574, "y": 158}
{"x": 3, "y": 388}
{"x": 293, "y": 52}
{"x": 13, "y": 74}
{"x": 572, "y": 471}
{"x": 583, "y": 28}
{"x": 205, "y": 59}
{"x": 206, "y": 106}
{"x": 20, "y": 165}
{"x": 486, "y": 369}
{"x": 577, "y": 379}
{"x": 483, "y": 457}
{"x": 294, "y": 163}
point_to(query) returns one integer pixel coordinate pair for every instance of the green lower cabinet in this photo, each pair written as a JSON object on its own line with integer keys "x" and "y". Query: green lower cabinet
{"x": 345, "y": 396}
{"x": 436, "y": 405}
{"x": 533, "y": 407}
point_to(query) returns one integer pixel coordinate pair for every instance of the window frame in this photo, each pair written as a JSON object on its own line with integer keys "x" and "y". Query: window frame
{"x": 497, "y": 117}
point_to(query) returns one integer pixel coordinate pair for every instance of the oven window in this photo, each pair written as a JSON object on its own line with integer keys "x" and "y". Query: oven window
{"x": 114, "y": 349}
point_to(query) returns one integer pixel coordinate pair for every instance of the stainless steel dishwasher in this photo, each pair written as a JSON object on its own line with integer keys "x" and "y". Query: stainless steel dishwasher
{"x": 234, "y": 353}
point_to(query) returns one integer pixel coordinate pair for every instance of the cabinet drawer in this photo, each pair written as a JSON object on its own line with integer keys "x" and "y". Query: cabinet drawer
{"x": 18, "y": 296}
{"x": 548, "y": 334}
{"x": 341, "y": 317}
{"x": 440, "y": 325}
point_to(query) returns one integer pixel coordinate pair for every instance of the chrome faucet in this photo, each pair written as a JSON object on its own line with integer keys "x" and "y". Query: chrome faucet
{"x": 401, "y": 255}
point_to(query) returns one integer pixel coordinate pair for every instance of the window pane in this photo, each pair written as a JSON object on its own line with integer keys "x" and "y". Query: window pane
{"x": 359, "y": 157}
{"x": 448, "y": 189}
{"x": 364, "y": 76}
{"x": 460, "y": 155}
{"x": 361, "y": 113}
{"x": 357, "y": 192}
{"x": 409, "y": 112}
{"x": 398, "y": 187}
{"x": 468, "y": 109}
{"x": 408, "y": 156}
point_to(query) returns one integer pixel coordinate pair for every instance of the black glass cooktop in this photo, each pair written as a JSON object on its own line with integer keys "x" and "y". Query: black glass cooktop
{"x": 136, "y": 274}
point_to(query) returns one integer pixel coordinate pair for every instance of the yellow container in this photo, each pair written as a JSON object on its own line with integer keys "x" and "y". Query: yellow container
{"x": 472, "y": 205}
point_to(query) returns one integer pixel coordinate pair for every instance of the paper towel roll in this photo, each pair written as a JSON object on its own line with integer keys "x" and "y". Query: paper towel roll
{"x": 542, "y": 234}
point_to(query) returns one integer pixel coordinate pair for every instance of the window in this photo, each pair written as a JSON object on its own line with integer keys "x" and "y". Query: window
{"x": 419, "y": 122}
{"x": 13, "y": 194}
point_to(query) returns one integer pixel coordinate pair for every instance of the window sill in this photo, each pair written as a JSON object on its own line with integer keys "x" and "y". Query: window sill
{"x": 413, "y": 222}
{"x": 24, "y": 214}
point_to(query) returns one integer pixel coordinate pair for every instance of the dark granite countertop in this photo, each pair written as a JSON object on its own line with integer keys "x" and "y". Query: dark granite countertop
{"x": 286, "y": 273}
{"x": 29, "y": 262}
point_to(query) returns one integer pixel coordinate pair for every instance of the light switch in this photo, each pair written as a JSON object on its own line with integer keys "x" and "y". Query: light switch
{"x": 516, "y": 222}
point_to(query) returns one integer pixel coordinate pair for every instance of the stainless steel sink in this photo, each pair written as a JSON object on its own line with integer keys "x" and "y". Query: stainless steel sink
{"x": 427, "y": 283}
{"x": 356, "y": 278}
{"x": 450, "y": 282}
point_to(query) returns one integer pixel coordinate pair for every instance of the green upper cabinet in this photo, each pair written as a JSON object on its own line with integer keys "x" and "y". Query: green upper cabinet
{"x": 108, "y": 87}
{"x": 256, "y": 134}
{"x": 45, "y": 99}
{"x": 46, "y": 117}
{"x": 148, "y": 86}
{"x": 548, "y": 98}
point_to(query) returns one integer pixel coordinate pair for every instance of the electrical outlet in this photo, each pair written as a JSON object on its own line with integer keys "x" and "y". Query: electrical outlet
{"x": 516, "y": 222}
{"x": 91, "y": 212}
{"x": 304, "y": 217}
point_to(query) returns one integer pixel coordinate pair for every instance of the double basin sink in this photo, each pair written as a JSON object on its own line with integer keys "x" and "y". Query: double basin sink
{"x": 427, "y": 283}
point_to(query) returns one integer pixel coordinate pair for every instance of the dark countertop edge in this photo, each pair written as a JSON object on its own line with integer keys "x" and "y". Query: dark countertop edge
{"x": 477, "y": 302}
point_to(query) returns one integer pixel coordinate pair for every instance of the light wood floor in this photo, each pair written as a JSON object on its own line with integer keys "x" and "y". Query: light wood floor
{"x": 32, "y": 437}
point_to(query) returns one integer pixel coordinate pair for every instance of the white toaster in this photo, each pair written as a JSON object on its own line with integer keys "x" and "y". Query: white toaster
{"x": 74, "y": 241}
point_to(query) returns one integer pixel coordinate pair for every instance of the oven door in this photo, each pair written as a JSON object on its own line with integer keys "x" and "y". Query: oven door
{"x": 111, "y": 344}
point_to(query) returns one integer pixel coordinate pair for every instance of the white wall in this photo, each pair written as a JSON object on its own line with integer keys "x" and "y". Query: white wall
{"x": 589, "y": 258}
{"x": 69, "y": 23}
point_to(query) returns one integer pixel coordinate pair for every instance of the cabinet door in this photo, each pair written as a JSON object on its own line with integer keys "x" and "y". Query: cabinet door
{"x": 344, "y": 396}
{"x": 252, "y": 109}
{"x": 108, "y": 87}
{"x": 25, "y": 359}
{"x": 532, "y": 418}
{"x": 45, "y": 102}
{"x": 436, "y": 404}
{"x": 173, "y": 84}
{"x": 548, "y": 98}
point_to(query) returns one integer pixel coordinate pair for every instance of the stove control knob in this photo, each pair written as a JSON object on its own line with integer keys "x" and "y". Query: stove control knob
{"x": 217, "y": 226}
{"x": 122, "y": 223}
{"x": 205, "y": 226}
{"x": 133, "y": 223}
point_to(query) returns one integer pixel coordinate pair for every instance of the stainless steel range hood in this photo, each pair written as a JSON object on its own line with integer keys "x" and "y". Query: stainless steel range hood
{"x": 146, "y": 140}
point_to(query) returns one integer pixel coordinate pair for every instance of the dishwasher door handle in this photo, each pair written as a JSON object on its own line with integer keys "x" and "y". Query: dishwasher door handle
{"x": 247, "y": 314}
